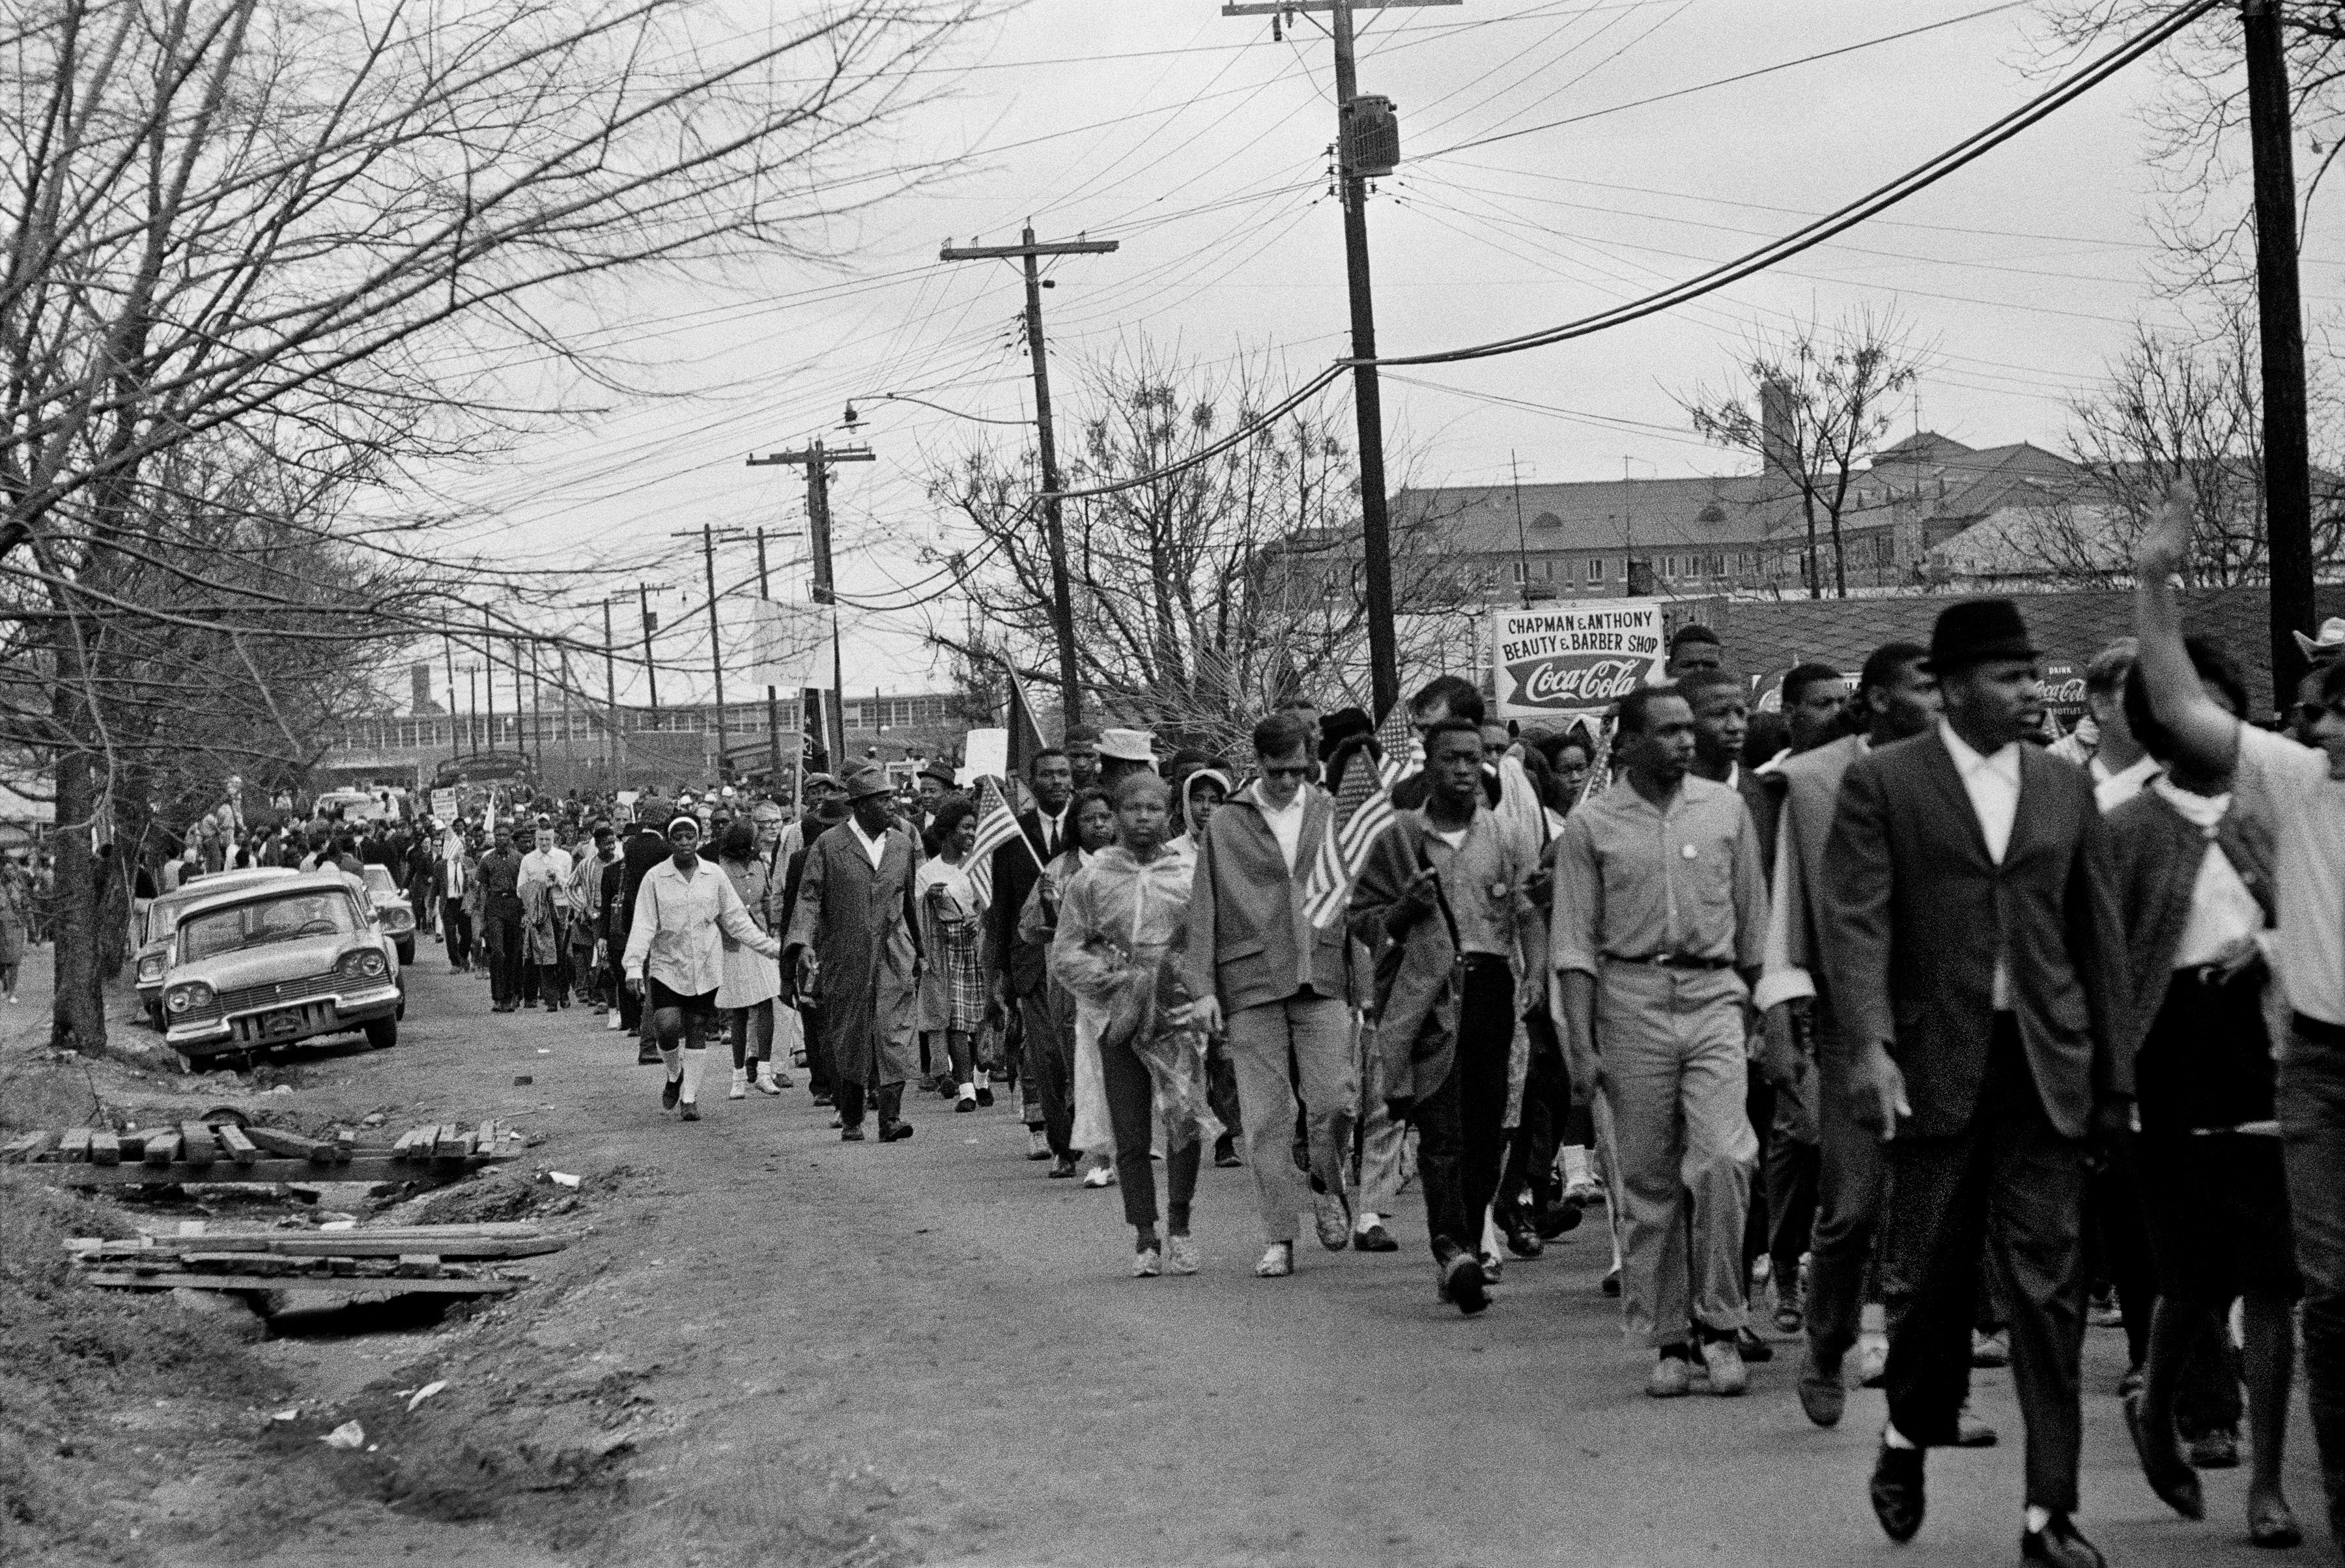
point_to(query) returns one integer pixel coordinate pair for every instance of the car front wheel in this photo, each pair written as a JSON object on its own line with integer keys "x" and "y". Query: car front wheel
{"x": 382, "y": 1034}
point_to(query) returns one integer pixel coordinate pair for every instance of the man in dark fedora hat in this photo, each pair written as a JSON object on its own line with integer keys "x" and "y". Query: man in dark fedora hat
{"x": 1972, "y": 948}
{"x": 853, "y": 944}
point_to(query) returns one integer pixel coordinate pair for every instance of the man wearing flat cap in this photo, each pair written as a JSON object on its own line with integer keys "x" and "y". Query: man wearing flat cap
{"x": 854, "y": 944}
{"x": 1972, "y": 949}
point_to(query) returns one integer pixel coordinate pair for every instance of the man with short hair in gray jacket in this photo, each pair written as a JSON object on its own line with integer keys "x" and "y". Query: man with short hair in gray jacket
{"x": 1259, "y": 966}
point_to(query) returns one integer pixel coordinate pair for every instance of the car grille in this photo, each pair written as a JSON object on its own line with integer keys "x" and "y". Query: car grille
{"x": 282, "y": 994}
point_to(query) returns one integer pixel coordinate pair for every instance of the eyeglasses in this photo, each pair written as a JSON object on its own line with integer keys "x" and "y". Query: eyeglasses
{"x": 1301, "y": 770}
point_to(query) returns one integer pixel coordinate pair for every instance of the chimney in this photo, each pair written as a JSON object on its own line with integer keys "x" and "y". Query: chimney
{"x": 419, "y": 685}
{"x": 1777, "y": 449}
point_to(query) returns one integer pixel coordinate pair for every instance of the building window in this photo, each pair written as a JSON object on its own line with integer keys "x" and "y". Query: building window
{"x": 1520, "y": 571}
{"x": 1884, "y": 554}
{"x": 1596, "y": 568}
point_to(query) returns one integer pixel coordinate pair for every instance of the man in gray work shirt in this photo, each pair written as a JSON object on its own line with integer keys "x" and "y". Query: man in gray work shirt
{"x": 1661, "y": 921}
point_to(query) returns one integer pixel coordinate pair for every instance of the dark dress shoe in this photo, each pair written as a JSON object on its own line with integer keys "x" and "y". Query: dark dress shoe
{"x": 984, "y": 1094}
{"x": 1521, "y": 1239}
{"x": 1462, "y": 1285}
{"x": 822, "y": 1098}
{"x": 2163, "y": 1466}
{"x": 648, "y": 1056}
{"x": 1225, "y": 1152}
{"x": 1896, "y": 1491}
{"x": 853, "y": 1134}
{"x": 1558, "y": 1219}
{"x": 1374, "y": 1238}
{"x": 671, "y": 1092}
{"x": 2060, "y": 1544}
{"x": 2271, "y": 1526}
{"x": 1611, "y": 1286}
{"x": 1061, "y": 1168}
{"x": 2217, "y": 1450}
{"x": 895, "y": 1132}
{"x": 1822, "y": 1395}
{"x": 1755, "y": 1350}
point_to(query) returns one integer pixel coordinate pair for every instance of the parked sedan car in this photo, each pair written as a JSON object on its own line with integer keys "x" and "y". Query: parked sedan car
{"x": 278, "y": 962}
{"x": 396, "y": 910}
{"x": 161, "y": 919}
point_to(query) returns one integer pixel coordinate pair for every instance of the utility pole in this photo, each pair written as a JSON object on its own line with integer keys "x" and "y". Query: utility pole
{"x": 709, "y": 537}
{"x": 1356, "y": 120}
{"x": 1054, "y": 533}
{"x": 489, "y": 673}
{"x": 2287, "y": 464}
{"x": 448, "y": 652}
{"x": 610, "y": 695}
{"x": 817, "y": 460}
{"x": 773, "y": 697}
{"x": 651, "y": 625}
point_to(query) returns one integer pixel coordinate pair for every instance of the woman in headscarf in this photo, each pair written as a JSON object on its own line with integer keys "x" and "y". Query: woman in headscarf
{"x": 1074, "y": 1073}
{"x": 1196, "y": 792}
{"x": 750, "y": 982}
{"x": 952, "y": 915}
{"x": 1121, "y": 932}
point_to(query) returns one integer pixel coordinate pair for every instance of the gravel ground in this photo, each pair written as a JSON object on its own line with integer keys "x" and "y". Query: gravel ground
{"x": 767, "y": 1347}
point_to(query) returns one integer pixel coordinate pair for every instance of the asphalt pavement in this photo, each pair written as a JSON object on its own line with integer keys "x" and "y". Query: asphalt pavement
{"x": 928, "y": 1351}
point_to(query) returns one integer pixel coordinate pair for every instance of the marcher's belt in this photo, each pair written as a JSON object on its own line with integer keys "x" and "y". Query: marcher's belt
{"x": 1672, "y": 960}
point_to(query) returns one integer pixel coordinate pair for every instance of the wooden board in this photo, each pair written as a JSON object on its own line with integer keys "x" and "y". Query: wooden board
{"x": 197, "y": 1145}
{"x": 341, "y": 1243}
{"x": 386, "y": 1285}
{"x": 104, "y": 1149}
{"x": 240, "y": 1149}
{"x": 277, "y": 1141}
{"x": 162, "y": 1147}
{"x": 72, "y": 1143}
{"x": 154, "y": 1172}
{"x": 29, "y": 1146}
{"x": 133, "y": 1143}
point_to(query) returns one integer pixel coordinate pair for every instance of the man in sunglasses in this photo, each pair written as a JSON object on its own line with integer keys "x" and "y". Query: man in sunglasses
{"x": 1257, "y": 964}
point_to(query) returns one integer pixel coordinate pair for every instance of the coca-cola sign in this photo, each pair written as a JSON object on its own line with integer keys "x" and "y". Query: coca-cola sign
{"x": 1575, "y": 659}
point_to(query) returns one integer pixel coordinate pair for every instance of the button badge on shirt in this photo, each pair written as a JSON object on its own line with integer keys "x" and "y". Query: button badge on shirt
{"x": 1690, "y": 853}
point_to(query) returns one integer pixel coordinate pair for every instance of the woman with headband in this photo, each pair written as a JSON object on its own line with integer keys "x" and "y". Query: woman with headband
{"x": 675, "y": 956}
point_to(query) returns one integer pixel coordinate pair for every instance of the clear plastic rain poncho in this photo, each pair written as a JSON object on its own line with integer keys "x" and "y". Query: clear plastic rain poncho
{"x": 1122, "y": 930}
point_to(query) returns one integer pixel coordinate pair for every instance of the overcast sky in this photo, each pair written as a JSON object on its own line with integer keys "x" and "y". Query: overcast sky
{"x": 1200, "y": 143}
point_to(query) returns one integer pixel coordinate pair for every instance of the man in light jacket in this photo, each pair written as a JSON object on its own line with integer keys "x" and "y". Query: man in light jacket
{"x": 1280, "y": 986}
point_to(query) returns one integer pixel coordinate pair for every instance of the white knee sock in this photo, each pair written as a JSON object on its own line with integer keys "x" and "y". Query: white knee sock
{"x": 692, "y": 1062}
{"x": 673, "y": 1059}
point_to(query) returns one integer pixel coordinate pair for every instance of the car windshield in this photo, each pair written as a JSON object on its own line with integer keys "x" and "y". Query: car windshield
{"x": 379, "y": 879}
{"x": 322, "y": 912}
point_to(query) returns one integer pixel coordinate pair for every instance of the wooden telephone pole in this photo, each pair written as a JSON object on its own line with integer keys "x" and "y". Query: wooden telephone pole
{"x": 1029, "y": 251}
{"x": 817, "y": 460}
{"x": 2287, "y": 458}
{"x": 1352, "y": 176}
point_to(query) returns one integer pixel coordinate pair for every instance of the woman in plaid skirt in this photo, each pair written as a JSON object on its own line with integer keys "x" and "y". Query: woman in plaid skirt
{"x": 952, "y": 910}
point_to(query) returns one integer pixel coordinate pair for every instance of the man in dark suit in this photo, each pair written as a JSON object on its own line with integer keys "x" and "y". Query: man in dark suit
{"x": 1020, "y": 981}
{"x": 1972, "y": 949}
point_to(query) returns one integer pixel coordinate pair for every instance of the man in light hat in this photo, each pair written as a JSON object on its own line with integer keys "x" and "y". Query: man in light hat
{"x": 854, "y": 941}
{"x": 1972, "y": 948}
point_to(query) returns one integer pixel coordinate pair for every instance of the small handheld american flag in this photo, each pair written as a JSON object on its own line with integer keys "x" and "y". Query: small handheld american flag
{"x": 995, "y": 826}
{"x": 1363, "y": 809}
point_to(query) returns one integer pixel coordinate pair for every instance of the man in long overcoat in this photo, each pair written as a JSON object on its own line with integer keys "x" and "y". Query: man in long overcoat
{"x": 854, "y": 941}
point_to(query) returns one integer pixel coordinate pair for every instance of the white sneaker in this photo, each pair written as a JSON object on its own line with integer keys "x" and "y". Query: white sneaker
{"x": 763, "y": 1082}
{"x": 1728, "y": 1376}
{"x": 1099, "y": 1175}
{"x": 1147, "y": 1264}
{"x": 1277, "y": 1261}
{"x": 1871, "y": 1359}
{"x": 740, "y": 1089}
{"x": 1180, "y": 1255}
{"x": 612, "y": 1021}
{"x": 1038, "y": 1144}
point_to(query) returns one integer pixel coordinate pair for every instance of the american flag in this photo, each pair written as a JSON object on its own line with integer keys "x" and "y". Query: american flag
{"x": 995, "y": 826}
{"x": 1363, "y": 809}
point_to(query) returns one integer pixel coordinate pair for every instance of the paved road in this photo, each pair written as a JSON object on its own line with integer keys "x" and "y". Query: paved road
{"x": 928, "y": 1350}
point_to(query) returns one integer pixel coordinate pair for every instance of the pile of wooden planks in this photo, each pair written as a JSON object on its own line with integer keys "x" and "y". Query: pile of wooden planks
{"x": 206, "y": 1152}
{"x": 442, "y": 1260}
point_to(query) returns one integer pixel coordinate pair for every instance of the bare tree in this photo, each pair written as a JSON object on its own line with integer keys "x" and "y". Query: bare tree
{"x": 2178, "y": 412}
{"x": 2198, "y": 122}
{"x": 1201, "y": 597}
{"x": 312, "y": 244}
{"x": 1826, "y": 395}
